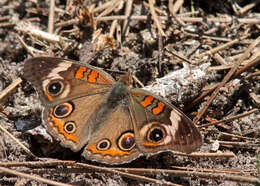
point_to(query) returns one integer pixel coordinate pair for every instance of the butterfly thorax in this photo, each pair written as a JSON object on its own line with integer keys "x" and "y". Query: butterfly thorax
{"x": 102, "y": 114}
{"x": 117, "y": 94}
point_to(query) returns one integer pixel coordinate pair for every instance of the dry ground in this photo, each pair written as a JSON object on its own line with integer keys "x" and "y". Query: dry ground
{"x": 212, "y": 46}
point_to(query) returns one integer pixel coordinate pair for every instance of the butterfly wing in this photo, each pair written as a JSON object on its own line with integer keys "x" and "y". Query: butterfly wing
{"x": 71, "y": 93}
{"x": 114, "y": 143}
{"x": 57, "y": 80}
{"x": 160, "y": 126}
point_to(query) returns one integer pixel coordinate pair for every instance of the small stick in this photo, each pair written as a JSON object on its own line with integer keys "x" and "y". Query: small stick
{"x": 36, "y": 32}
{"x": 220, "y": 67}
{"x": 220, "y": 20}
{"x": 204, "y": 36}
{"x": 124, "y": 174}
{"x": 238, "y": 144}
{"x": 10, "y": 88}
{"x": 32, "y": 177}
{"x": 248, "y": 7}
{"x": 221, "y": 47}
{"x": 113, "y": 28}
{"x": 236, "y": 136}
{"x": 5, "y": 18}
{"x": 180, "y": 173}
{"x": 253, "y": 63}
{"x": 199, "y": 172}
{"x": 230, "y": 119}
{"x": 28, "y": 49}
{"x": 51, "y": 17}
{"x": 156, "y": 9}
{"x": 174, "y": 8}
{"x": 179, "y": 16}
{"x": 155, "y": 18}
{"x": 18, "y": 142}
{"x": 232, "y": 171}
{"x": 254, "y": 97}
{"x": 128, "y": 10}
{"x": 204, "y": 154}
{"x": 2, "y": 110}
{"x": 179, "y": 56}
{"x": 8, "y": 24}
{"x": 103, "y": 6}
{"x": 110, "y": 8}
{"x": 68, "y": 23}
{"x": 138, "y": 81}
{"x": 41, "y": 163}
{"x": 225, "y": 80}
{"x": 160, "y": 55}
{"x": 201, "y": 96}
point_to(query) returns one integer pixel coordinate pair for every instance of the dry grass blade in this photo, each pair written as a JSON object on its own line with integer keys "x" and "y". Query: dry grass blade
{"x": 128, "y": 10}
{"x": 51, "y": 17}
{"x": 110, "y": 8}
{"x": 32, "y": 177}
{"x": 220, "y": 19}
{"x": 248, "y": 7}
{"x": 230, "y": 171}
{"x": 3, "y": 111}
{"x": 174, "y": 8}
{"x": 236, "y": 144}
{"x": 124, "y": 174}
{"x": 10, "y": 88}
{"x": 251, "y": 64}
{"x": 18, "y": 142}
{"x": 225, "y": 80}
{"x": 230, "y": 177}
{"x": 155, "y": 18}
{"x": 221, "y": 47}
{"x": 206, "y": 155}
{"x": 230, "y": 119}
{"x": 37, "y": 163}
{"x": 171, "y": 51}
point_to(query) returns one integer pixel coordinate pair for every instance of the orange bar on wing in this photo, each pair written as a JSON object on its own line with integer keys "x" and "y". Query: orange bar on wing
{"x": 159, "y": 108}
{"x": 50, "y": 98}
{"x": 60, "y": 124}
{"x": 150, "y": 144}
{"x": 112, "y": 151}
{"x": 92, "y": 77}
{"x": 148, "y": 100}
{"x": 80, "y": 72}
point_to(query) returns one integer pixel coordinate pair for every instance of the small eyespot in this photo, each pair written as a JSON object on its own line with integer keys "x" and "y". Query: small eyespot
{"x": 63, "y": 110}
{"x": 55, "y": 88}
{"x": 70, "y": 127}
{"x": 126, "y": 141}
{"x": 104, "y": 144}
{"x": 156, "y": 134}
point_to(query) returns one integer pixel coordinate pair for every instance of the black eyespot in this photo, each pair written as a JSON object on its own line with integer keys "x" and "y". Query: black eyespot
{"x": 70, "y": 127}
{"x": 55, "y": 88}
{"x": 126, "y": 141}
{"x": 104, "y": 144}
{"x": 63, "y": 110}
{"x": 156, "y": 134}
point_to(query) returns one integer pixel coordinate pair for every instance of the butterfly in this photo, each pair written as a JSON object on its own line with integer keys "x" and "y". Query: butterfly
{"x": 86, "y": 110}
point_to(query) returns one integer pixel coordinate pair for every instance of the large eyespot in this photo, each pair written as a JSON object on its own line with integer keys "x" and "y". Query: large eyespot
{"x": 126, "y": 141}
{"x": 63, "y": 110}
{"x": 55, "y": 87}
{"x": 156, "y": 134}
{"x": 104, "y": 144}
{"x": 70, "y": 127}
